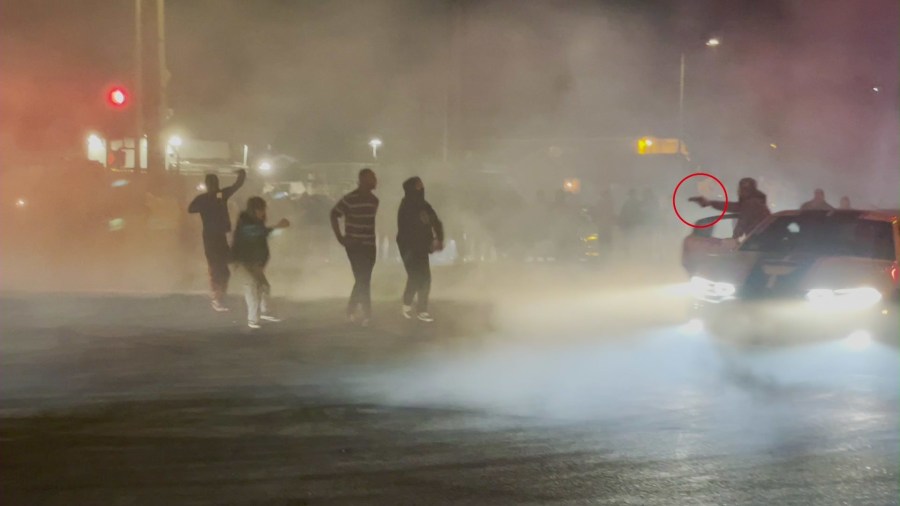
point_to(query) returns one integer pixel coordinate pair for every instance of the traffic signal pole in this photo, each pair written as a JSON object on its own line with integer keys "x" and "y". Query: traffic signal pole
{"x": 681, "y": 105}
{"x": 152, "y": 79}
{"x": 138, "y": 82}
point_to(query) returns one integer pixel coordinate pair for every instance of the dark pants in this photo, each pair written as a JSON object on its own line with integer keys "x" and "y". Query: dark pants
{"x": 418, "y": 279}
{"x": 362, "y": 261}
{"x": 218, "y": 254}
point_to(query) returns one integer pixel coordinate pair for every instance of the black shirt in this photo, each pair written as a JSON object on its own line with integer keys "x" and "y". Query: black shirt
{"x": 213, "y": 208}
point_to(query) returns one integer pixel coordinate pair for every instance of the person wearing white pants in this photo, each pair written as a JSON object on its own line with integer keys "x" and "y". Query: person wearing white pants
{"x": 256, "y": 293}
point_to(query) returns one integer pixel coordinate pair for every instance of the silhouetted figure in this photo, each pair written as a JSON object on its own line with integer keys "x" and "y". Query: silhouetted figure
{"x": 251, "y": 252}
{"x": 358, "y": 209}
{"x": 419, "y": 233}
{"x": 603, "y": 214}
{"x": 818, "y": 202}
{"x": 213, "y": 209}
{"x": 632, "y": 213}
{"x": 751, "y": 207}
{"x": 651, "y": 210}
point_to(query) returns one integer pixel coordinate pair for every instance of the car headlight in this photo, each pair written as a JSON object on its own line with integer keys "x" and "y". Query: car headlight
{"x": 847, "y": 298}
{"x": 711, "y": 291}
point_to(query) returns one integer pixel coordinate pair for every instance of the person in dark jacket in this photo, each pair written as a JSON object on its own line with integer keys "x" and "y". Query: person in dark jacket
{"x": 751, "y": 207}
{"x": 251, "y": 252}
{"x": 213, "y": 209}
{"x": 419, "y": 233}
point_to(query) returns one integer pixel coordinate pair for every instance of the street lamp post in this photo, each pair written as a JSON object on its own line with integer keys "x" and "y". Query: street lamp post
{"x": 375, "y": 144}
{"x": 712, "y": 42}
{"x": 681, "y": 105}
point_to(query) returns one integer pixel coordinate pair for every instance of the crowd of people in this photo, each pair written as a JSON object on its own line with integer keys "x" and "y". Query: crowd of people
{"x": 560, "y": 222}
{"x": 419, "y": 233}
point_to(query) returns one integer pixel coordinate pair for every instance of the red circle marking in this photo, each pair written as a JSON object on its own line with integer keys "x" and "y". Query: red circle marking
{"x": 675, "y": 205}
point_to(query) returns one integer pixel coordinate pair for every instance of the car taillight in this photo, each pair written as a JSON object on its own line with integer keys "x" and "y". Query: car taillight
{"x": 895, "y": 273}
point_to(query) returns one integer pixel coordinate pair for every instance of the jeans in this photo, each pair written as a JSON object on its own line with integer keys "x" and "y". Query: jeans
{"x": 418, "y": 279}
{"x": 218, "y": 254}
{"x": 256, "y": 291}
{"x": 362, "y": 261}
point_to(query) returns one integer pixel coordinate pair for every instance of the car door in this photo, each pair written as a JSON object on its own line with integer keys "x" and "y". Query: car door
{"x": 708, "y": 241}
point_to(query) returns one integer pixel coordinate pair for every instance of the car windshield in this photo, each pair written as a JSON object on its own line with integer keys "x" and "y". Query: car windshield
{"x": 825, "y": 234}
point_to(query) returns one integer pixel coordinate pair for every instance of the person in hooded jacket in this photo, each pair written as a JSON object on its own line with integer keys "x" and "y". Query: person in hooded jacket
{"x": 419, "y": 233}
{"x": 251, "y": 252}
{"x": 751, "y": 207}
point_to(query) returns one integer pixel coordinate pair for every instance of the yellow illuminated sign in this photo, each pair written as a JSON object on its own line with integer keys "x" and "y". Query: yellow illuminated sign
{"x": 655, "y": 146}
{"x": 572, "y": 185}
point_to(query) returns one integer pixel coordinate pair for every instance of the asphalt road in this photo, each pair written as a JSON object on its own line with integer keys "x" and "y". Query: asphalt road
{"x": 127, "y": 400}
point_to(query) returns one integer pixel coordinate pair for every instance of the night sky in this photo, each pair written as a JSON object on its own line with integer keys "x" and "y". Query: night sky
{"x": 316, "y": 78}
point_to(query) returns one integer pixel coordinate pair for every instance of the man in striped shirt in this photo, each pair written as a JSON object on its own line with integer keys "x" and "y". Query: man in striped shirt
{"x": 358, "y": 209}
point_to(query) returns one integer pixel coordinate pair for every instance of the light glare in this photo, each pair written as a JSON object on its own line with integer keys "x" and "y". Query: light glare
{"x": 712, "y": 291}
{"x": 844, "y": 299}
{"x": 858, "y": 340}
{"x": 94, "y": 142}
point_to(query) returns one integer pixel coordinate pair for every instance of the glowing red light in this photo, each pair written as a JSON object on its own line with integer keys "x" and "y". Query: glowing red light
{"x": 117, "y": 97}
{"x": 894, "y": 272}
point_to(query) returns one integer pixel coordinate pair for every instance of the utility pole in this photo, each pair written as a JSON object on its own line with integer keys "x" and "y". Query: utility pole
{"x": 138, "y": 83}
{"x": 452, "y": 82}
{"x": 152, "y": 78}
{"x": 681, "y": 105}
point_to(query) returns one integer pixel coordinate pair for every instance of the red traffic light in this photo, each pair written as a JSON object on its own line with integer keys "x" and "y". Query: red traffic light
{"x": 117, "y": 97}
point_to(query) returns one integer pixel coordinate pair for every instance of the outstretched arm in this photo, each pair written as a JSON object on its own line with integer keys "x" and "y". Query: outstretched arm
{"x": 720, "y": 205}
{"x": 716, "y": 204}
{"x": 231, "y": 190}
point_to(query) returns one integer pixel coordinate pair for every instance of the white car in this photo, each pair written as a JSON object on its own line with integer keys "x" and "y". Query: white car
{"x": 800, "y": 276}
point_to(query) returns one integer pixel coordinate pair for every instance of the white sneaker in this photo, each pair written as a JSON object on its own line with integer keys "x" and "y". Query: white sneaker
{"x": 254, "y": 325}
{"x": 219, "y": 307}
{"x": 408, "y": 312}
{"x": 425, "y": 317}
{"x": 270, "y": 318}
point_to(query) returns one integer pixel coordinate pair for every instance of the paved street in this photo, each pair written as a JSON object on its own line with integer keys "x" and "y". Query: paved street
{"x": 126, "y": 399}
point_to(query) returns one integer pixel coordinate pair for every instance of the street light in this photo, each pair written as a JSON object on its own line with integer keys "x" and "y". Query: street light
{"x": 712, "y": 42}
{"x": 265, "y": 166}
{"x": 375, "y": 144}
{"x": 175, "y": 142}
{"x": 94, "y": 142}
{"x": 96, "y": 149}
